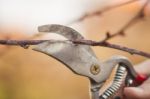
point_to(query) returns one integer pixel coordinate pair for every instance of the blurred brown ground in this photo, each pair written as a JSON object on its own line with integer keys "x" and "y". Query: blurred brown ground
{"x": 26, "y": 74}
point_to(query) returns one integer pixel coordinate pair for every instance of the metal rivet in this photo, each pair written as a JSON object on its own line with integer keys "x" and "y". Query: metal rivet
{"x": 95, "y": 69}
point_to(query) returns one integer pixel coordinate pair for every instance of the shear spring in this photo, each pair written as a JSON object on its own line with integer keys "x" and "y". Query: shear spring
{"x": 121, "y": 70}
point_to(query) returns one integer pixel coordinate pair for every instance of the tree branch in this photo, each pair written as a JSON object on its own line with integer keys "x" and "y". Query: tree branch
{"x": 114, "y": 46}
{"x": 26, "y": 43}
{"x": 23, "y": 43}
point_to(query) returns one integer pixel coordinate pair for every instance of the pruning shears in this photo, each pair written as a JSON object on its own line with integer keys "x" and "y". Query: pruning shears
{"x": 82, "y": 61}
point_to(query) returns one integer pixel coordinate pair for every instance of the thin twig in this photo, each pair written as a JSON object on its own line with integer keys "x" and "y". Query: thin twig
{"x": 140, "y": 14}
{"x": 110, "y": 36}
{"x": 121, "y": 31}
{"x": 104, "y": 10}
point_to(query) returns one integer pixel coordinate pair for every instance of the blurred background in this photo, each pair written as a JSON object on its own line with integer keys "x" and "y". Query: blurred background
{"x": 26, "y": 74}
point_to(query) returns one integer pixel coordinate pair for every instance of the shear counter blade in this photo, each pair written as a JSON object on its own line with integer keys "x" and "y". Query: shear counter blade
{"x": 65, "y": 31}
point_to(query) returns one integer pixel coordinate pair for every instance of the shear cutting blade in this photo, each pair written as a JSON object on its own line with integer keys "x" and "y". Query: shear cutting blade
{"x": 78, "y": 58}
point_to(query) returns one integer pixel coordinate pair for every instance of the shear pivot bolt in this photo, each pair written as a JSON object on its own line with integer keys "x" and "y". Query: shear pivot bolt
{"x": 95, "y": 69}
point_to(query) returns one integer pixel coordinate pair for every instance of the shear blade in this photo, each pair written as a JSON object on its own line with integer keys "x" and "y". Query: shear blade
{"x": 75, "y": 57}
{"x": 78, "y": 58}
{"x": 65, "y": 31}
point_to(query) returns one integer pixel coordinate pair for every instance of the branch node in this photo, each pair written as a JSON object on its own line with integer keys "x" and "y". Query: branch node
{"x": 122, "y": 33}
{"x": 108, "y": 35}
{"x": 24, "y": 46}
{"x": 142, "y": 15}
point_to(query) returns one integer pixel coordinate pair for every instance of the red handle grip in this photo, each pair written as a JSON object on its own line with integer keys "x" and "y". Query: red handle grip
{"x": 140, "y": 78}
